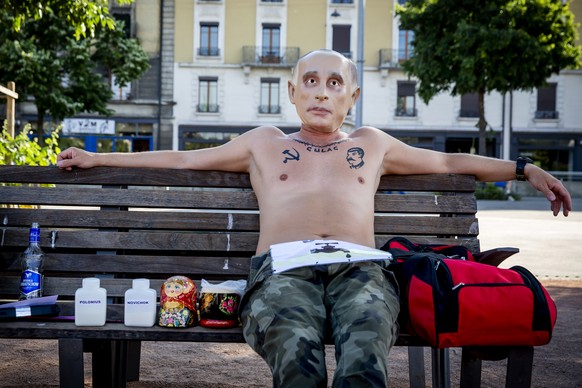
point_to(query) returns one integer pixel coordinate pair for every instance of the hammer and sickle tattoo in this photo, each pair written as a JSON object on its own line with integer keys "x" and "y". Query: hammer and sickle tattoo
{"x": 290, "y": 155}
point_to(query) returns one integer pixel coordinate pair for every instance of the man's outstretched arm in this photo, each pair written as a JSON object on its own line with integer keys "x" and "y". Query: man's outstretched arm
{"x": 403, "y": 159}
{"x": 235, "y": 155}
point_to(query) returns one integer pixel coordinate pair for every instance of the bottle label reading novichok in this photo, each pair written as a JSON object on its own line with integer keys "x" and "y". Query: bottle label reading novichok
{"x": 30, "y": 282}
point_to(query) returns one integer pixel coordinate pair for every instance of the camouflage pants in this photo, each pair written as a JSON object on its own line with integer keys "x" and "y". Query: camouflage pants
{"x": 287, "y": 317}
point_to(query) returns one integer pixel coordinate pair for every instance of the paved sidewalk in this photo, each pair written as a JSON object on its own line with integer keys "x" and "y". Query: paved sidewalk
{"x": 550, "y": 247}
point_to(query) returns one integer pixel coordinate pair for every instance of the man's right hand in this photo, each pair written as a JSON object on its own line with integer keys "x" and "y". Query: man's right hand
{"x": 75, "y": 157}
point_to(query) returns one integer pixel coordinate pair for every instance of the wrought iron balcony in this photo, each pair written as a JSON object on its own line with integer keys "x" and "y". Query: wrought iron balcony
{"x": 208, "y": 52}
{"x": 405, "y": 112}
{"x": 547, "y": 114}
{"x": 270, "y": 109}
{"x": 270, "y": 56}
{"x": 469, "y": 113}
{"x": 207, "y": 108}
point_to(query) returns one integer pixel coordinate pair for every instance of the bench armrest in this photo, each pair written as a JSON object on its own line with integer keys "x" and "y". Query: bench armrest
{"x": 495, "y": 256}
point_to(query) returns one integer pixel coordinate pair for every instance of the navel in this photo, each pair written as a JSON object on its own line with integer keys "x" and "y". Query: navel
{"x": 361, "y": 180}
{"x": 283, "y": 177}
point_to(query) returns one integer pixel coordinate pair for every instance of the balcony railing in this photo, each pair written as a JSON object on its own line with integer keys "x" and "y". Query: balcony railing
{"x": 469, "y": 113}
{"x": 405, "y": 112}
{"x": 547, "y": 114}
{"x": 207, "y": 108}
{"x": 393, "y": 57}
{"x": 208, "y": 52}
{"x": 270, "y": 56}
{"x": 270, "y": 109}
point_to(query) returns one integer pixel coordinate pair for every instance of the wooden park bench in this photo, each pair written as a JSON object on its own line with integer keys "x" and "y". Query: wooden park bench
{"x": 120, "y": 224}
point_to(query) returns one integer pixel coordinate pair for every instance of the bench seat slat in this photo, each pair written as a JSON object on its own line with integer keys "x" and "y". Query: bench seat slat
{"x": 118, "y": 331}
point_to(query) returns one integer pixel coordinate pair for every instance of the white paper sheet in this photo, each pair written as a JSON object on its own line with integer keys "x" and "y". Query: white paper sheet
{"x": 297, "y": 254}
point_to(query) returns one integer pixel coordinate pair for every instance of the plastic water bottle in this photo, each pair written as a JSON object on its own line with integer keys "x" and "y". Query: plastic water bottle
{"x": 31, "y": 280}
{"x": 90, "y": 303}
{"x": 140, "y": 304}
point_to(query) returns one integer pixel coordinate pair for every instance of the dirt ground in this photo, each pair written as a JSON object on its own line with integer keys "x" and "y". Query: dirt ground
{"x": 180, "y": 365}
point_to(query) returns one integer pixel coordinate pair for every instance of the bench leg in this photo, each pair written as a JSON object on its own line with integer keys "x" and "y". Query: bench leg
{"x": 109, "y": 363}
{"x": 133, "y": 360}
{"x": 71, "y": 367}
{"x": 440, "y": 368}
{"x": 470, "y": 370}
{"x": 519, "y": 367}
{"x": 416, "y": 366}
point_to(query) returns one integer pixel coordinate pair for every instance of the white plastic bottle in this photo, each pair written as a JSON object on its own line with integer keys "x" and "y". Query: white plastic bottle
{"x": 140, "y": 304}
{"x": 90, "y": 303}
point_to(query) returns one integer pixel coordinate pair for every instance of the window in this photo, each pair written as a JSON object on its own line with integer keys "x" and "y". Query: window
{"x": 271, "y": 49}
{"x": 406, "y": 100}
{"x": 547, "y": 102}
{"x": 469, "y": 105}
{"x": 208, "y": 94}
{"x": 208, "y": 40}
{"x": 341, "y": 39}
{"x": 271, "y": 1}
{"x": 405, "y": 39}
{"x": 120, "y": 92}
{"x": 124, "y": 18}
{"x": 342, "y": 1}
{"x": 269, "y": 96}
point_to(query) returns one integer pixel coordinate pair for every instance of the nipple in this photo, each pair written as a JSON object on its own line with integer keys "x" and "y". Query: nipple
{"x": 361, "y": 180}
{"x": 283, "y": 177}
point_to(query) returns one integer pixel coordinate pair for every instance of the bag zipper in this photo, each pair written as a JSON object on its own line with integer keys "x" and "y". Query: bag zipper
{"x": 461, "y": 284}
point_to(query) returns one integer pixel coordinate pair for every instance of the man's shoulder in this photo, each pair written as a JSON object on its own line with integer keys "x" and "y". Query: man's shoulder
{"x": 367, "y": 132}
{"x": 266, "y": 130}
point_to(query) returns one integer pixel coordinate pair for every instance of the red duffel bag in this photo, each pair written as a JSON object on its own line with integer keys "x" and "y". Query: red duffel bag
{"x": 450, "y": 303}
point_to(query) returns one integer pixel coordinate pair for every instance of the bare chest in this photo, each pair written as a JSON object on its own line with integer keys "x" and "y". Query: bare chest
{"x": 340, "y": 164}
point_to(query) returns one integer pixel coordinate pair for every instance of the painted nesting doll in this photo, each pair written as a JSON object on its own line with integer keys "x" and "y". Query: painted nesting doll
{"x": 178, "y": 303}
{"x": 219, "y": 310}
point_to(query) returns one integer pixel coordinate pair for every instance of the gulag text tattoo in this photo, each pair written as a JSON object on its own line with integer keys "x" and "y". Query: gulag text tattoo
{"x": 321, "y": 148}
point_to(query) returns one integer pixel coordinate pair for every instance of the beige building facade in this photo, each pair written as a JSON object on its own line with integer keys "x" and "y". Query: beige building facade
{"x": 233, "y": 59}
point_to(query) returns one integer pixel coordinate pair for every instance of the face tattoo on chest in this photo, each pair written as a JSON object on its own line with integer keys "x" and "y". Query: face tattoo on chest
{"x": 355, "y": 157}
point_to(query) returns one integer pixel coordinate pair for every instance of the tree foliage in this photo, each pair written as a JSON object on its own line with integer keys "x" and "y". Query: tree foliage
{"x": 24, "y": 151}
{"x": 65, "y": 75}
{"x": 467, "y": 46}
{"x": 85, "y": 16}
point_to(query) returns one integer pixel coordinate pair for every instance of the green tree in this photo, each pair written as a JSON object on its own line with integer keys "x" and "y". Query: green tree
{"x": 469, "y": 46}
{"x": 67, "y": 75}
{"x": 85, "y": 16}
{"x": 23, "y": 151}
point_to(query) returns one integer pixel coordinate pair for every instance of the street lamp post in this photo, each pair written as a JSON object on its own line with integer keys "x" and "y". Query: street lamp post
{"x": 360, "y": 63}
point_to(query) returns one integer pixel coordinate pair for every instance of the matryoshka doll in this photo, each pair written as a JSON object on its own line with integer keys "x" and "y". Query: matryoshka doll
{"x": 178, "y": 303}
